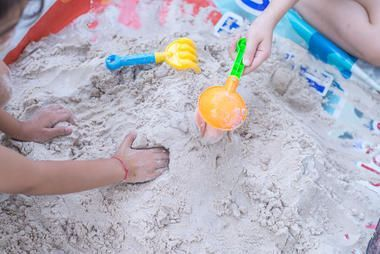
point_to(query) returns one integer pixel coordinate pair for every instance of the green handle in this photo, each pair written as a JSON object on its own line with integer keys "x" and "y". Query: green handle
{"x": 238, "y": 67}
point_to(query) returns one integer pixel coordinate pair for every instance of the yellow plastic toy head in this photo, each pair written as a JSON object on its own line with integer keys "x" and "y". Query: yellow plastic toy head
{"x": 180, "y": 54}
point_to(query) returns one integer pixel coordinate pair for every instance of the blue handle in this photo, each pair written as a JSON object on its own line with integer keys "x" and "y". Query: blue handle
{"x": 114, "y": 62}
{"x": 321, "y": 47}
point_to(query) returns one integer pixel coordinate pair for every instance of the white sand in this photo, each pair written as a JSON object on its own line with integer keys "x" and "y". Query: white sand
{"x": 279, "y": 186}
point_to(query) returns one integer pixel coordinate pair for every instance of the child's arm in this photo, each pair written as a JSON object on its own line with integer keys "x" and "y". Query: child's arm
{"x": 259, "y": 36}
{"x": 20, "y": 175}
{"x": 40, "y": 128}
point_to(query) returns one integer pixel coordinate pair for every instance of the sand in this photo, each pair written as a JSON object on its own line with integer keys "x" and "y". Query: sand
{"x": 279, "y": 184}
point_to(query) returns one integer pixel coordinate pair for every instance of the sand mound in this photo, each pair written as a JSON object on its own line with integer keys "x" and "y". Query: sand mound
{"x": 275, "y": 187}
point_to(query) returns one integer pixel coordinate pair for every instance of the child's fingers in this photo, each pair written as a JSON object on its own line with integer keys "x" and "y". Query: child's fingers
{"x": 159, "y": 150}
{"x": 159, "y": 172}
{"x": 64, "y": 115}
{"x": 262, "y": 54}
{"x": 161, "y": 164}
{"x": 232, "y": 48}
{"x": 68, "y": 115}
{"x": 50, "y": 133}
{"x": 257, "y": 61}
{"x": 53, "y": 107}
{"x": 4, "y": 69}
{"x": 250, "y": 50}
{"x": 161, "y": 156}
{"x": 128, "y": 141}
{"x": 53, "y": 119}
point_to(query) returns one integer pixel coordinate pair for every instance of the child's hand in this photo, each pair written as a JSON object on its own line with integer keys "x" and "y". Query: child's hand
{"x": 43, "y": 125}
{"x": 143, "y": 164}
{"x": 259, "y": 43}
{"x": 209, "y": 134}
{"x": 5, "y": 88}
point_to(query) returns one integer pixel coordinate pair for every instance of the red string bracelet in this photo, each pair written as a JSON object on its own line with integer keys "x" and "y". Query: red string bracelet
{"x": 123, "y": 165}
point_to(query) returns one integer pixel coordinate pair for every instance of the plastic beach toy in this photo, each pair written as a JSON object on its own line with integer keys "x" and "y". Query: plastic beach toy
{"x": 180, "y": 54}
{"x": 322, "y": 48}
{"x": 295, "y": 28}
{"x": 222, "y": 107}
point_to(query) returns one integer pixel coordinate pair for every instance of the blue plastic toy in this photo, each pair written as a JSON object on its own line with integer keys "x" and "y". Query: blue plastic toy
{"x": 180, "y": 54}
{"x": 294, "y": 27}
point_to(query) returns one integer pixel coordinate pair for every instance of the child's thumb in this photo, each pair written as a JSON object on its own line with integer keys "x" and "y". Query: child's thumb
{"x": 128, "y": 140}
{"x": 57, "y": 132}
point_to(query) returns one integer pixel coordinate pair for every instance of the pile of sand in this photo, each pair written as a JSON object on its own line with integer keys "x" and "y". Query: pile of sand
{"x": 277, "y": 186}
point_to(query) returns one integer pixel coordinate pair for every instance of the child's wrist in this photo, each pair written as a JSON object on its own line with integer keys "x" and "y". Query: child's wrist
{"x": 23, "y": 132}
{"x": 275, "y": 11}
{"x": 12, "y": 127}
{"x": 19, "y": 131}
{"x": 269, "y": 19}
{"x": 121, "y": 164}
